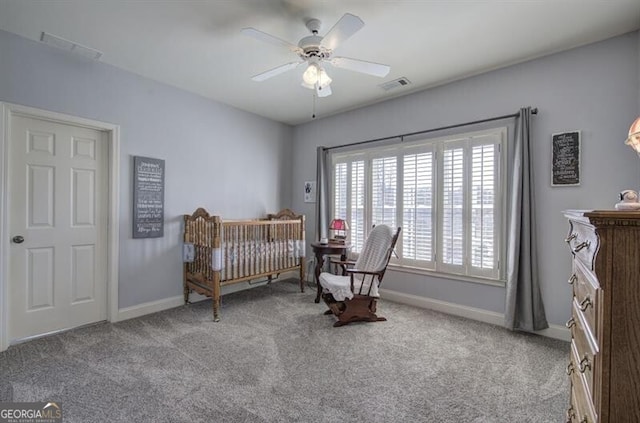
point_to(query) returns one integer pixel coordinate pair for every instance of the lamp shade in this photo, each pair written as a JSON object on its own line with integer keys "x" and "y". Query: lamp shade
{"x": 323, "y": 78}
{"x": 633, "y": 140}
{"x": 339, "y": 225}
{"x": 310, "y": 76}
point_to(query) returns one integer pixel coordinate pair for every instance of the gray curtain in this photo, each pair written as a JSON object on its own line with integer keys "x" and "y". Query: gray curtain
{"x": 523, "y": 304}
{"x": 323, "y": 173}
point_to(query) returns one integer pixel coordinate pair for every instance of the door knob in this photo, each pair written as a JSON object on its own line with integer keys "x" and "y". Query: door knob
{"x": 18, "y": 239}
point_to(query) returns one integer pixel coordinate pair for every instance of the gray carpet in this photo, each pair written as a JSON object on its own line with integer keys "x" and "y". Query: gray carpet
{"x": 275, "y": 358}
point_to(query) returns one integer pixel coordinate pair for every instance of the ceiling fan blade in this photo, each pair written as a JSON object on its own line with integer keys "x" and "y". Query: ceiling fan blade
{"x": 370, "y": 68}
{"x": 268, "y": 38}
{"x": 347, "y": 26}
{"x": 275, "y": 71}
{"x": 323, "y": 92}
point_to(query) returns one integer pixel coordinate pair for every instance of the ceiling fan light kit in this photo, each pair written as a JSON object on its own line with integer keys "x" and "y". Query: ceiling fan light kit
{"x": 315, "y": 49}
{"x": 315, "y": 75}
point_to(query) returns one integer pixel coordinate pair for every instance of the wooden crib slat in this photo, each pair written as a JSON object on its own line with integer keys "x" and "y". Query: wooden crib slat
{"x": 263, "y": 249}
{"x": 245, "y": 251}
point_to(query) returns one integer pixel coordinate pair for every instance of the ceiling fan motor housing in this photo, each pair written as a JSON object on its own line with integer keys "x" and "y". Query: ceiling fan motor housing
{"x": 311, "y": 47}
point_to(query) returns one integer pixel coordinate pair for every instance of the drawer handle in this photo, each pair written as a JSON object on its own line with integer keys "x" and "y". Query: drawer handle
{"x": 570, "y": 238}
{"x": 584, "y": 364}
{"x": 570, "y": 323}
{"x": 572, "y": 279}
{"x": 584, "y": 305}
{"x": 584, "y": 244}
{"x": 570, "y": 369}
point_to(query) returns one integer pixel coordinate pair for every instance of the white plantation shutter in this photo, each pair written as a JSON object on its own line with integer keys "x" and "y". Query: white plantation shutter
{"x": 452, "y": 225}
{"x": 357, "y": 217}
{"x": 483, "y": 207}
{"x": 349, "y": 190}
{"x": 417, "y": 210}
{"x": 482, "y": 199}
{"x": 340, "y": 191}
{"x": 383, "y": 191}
{"x": 444, "y": 193}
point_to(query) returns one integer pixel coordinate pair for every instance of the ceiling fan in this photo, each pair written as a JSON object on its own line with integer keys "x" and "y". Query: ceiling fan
{"x": 315, "y": 50}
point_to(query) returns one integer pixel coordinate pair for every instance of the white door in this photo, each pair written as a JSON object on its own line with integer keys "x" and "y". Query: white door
{"x": 58, "y": 226}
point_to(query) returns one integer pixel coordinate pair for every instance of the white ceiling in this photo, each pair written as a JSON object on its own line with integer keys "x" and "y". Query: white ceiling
{"x": 197, "y": 45}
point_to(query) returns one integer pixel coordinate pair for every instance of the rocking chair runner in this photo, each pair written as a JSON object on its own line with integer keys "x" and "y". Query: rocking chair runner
{"x": 353, "y": 298}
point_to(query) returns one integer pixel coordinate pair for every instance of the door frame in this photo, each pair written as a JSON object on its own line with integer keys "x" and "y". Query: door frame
{"x": 7, "y": 111}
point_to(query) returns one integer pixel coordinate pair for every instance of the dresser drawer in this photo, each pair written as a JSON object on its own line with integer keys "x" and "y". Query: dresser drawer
{"x": 586, "y": 293}
{"x": 581, "y": 402}
{"x": 579, "y": 411}
{"x": 583, "y": 242}
{"x": 585, "y": 353}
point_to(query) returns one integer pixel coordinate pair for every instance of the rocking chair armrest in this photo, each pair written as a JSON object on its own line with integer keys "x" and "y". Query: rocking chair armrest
{"x": 363, "y": 272}
{"x": 343, "y": 262}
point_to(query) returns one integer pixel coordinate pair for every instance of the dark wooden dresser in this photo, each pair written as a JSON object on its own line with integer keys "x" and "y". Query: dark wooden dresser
{"x": 605, "y": 316}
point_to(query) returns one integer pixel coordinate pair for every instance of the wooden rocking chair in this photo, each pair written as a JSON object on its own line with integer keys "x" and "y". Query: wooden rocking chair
{"x": 353, "y": 298}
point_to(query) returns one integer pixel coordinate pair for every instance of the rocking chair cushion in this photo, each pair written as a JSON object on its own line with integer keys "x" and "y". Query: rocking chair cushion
{"x": 340, "y": 286}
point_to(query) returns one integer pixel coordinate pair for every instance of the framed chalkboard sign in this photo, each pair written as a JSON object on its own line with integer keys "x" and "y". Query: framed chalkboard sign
{"x": 565, "y": 160}
{"x": 148, "y": 197}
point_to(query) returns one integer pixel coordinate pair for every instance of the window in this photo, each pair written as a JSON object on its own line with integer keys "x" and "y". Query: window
{"x": 445, "y": 193}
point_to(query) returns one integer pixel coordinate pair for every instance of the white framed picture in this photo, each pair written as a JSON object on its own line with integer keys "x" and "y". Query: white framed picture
{"x": 310, "y": 191}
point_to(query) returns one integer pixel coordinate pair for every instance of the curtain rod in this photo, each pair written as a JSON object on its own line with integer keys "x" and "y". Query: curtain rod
{"x": 534, "y": 111}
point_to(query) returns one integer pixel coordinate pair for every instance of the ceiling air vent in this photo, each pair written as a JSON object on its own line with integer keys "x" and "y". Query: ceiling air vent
{"x": 396, "y": 83}
{"x": 55, "y": 41}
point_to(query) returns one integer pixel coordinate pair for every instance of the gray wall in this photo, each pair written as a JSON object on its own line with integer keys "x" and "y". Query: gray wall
{"x": 593, "y": 89}
{"x": 204, "y": 143}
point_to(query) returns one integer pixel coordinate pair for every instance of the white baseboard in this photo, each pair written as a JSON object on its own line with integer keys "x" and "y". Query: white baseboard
{"x": 171, "y": 302}
{"x": 554, "y": 331}
{"x": 150, "y": 307}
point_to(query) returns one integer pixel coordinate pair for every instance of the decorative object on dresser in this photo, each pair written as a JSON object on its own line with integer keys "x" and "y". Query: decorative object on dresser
{"x": 628, "y": 200}
{"x": 604, "y": 366}
{"x": 221, "y": 252}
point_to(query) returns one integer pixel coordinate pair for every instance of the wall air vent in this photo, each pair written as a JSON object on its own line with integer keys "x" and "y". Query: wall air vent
{"x": 396, "y": 83}
{"x": 79, "y": 49}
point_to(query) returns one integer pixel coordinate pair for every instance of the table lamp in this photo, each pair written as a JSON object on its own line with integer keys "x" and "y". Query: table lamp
{"x": 339, "y": 228}
{"x": 628, "y": 197}
{"x": 633, "y": 140}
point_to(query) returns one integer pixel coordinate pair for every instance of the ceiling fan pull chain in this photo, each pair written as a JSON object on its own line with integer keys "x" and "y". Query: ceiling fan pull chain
{"x": 313, "y": 116}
